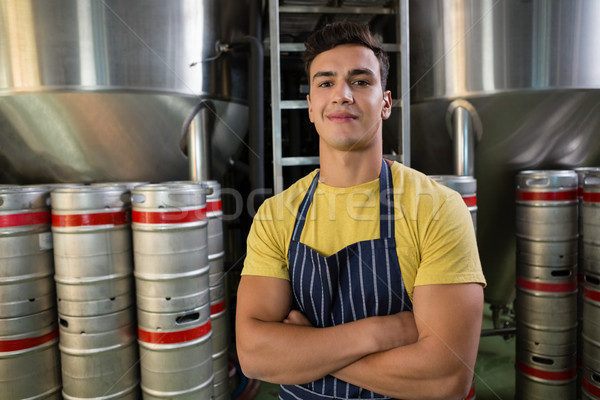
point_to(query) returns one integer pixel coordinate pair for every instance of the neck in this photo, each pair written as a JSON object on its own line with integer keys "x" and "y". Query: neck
{"x": 349, "y": 168}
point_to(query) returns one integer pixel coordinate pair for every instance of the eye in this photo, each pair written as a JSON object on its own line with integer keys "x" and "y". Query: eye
{"x": 361, "y": 82}
{"x": 324, "y": 84}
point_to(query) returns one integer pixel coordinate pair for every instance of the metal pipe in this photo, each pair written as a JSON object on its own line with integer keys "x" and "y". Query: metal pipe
{"x": 464, "y": 126}
{"x": 198, "y": 145}
{"x": 463, "y": 143}
{"x": 498, "y": 331}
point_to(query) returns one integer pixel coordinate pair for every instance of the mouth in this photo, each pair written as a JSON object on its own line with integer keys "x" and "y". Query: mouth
{"x": 341, "y": 116}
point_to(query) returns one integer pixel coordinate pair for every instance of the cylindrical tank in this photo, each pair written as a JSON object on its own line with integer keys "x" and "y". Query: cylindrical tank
{"x": 99, "y": 90}
{"x": 528, "y": 68}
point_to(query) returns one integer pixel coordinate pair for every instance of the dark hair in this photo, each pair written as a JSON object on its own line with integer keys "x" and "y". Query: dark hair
{"x": 345, "y": 32}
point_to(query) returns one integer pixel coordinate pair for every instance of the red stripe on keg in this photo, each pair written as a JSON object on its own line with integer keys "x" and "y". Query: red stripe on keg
{"x": 214, "y": 206}
{"x": 547, "y": 287}
{"x": 169, "y": 217}
{"x": 32, "y": 218}
{"x": 27, "y": 343}
{"x": 174, "y": 337}
{"x": 591, "y": 197}
{"x": 547, "y": 196}
{"x": 587, "y": 385}
{"x": 470, "y": 201}
{"x": 108, "y": 218}
{"x": 591, "y": 294}
{"x": 217, "y": 308}
{"x": 547, "y": 375}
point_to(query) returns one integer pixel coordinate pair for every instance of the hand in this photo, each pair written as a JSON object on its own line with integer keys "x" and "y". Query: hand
{"x": 295, "y": 317}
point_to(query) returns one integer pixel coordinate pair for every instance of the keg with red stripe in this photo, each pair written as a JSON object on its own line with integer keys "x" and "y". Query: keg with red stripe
{"x": 95, "y": 290}
{"x": 29, "y": 357}
{"x": 176, "y": 354}
{"x": 543, "y": 377}
{"x": 591, "y": 222}
{"x": 218, "y": 295}
{"x": 546, "y": 298}
{"x": 546, "y": 205}
{"x": 582, "y": 172}
{"x": 214, "y": 213}
{"x": 466, "y": 186}
{"x": 170, "y": 246}
{"x": 171, "y": 266}
{"x": 92, "y": 249}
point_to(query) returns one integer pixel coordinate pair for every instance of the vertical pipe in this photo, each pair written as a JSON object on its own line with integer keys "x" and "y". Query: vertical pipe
{"x": 198, "y": 146}
{"x": 463, "y": 142}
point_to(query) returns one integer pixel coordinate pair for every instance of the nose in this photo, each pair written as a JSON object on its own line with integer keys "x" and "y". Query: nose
{"x": 343, "y": 94}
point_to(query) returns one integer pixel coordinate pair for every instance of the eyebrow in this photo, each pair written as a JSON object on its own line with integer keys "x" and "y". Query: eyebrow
{"x": 352, "y": 72}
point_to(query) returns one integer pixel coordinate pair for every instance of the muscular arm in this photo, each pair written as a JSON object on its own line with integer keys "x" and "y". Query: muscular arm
{"x": 440, "y": 364}
{"x": 288, "y": 353}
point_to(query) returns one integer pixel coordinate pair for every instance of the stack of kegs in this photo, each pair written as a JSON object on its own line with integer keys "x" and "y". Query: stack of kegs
{"x": 95, "y": 291}
{"x": 218, "y": 295}
{"x": 171, "y": 269}
{"x": 546, "y": 301}
{"x": 466, "y": 186}
{"x": 591, "y": 297}
{"x": 29, "y": 355}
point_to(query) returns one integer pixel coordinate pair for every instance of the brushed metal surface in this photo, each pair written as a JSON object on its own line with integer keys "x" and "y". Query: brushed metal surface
{"x": 98, "y": 90}
{"x": 529, "y": 68}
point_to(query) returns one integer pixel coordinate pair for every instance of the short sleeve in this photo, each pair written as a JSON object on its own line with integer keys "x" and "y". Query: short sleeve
{"x": 448, "y": 246}
{"x": 266, "y": 247}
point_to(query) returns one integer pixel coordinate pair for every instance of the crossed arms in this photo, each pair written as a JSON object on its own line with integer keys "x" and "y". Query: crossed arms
{"x": 425, "y": 354}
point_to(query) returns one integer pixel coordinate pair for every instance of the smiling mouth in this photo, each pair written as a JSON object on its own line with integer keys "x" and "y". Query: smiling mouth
{"x": 341, "y": 117}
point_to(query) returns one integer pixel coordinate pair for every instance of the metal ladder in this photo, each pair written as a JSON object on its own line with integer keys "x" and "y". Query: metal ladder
{"x": 306, "y": 10}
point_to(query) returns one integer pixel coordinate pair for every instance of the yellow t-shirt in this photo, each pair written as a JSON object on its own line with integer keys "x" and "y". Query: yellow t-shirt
{"x": 435, "y": 237}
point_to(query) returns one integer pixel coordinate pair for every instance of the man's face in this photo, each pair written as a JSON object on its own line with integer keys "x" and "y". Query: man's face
{"x": 346, "y": 101}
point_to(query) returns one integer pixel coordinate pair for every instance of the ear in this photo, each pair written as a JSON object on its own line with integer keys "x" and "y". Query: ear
{"x": 310, "y": 114}
{"x": 386, "y": 109}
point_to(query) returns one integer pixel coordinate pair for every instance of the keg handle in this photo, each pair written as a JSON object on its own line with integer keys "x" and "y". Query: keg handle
{"x": 588, "y": 180}
{"x": 187, "y": 318}
{"x": 538, "y": 181}
{"x": 138, "y": 198}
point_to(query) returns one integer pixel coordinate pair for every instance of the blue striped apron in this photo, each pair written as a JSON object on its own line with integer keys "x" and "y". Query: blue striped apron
{"x": 361, "y": 280}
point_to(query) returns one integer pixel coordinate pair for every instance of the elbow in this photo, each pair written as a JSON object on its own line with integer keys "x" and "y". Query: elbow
{"x": 253, "y": 365}
{"x": 248, "y": 369}
{"x": 457, "y": 386}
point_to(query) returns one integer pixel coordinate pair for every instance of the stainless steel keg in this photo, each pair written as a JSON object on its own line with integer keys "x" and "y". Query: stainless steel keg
{"x": 29, "y": 357}
{"x": 92, "y": 249}
{"x": 171, "y": 265}
{"x": 546, "y": 205}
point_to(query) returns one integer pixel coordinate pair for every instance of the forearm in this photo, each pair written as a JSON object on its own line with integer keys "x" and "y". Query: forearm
{"x": 415, "y": 371}
{"x": 294, "y": 354}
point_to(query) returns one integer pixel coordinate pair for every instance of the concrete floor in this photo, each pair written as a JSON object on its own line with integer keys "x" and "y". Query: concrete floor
{"x": 494, "y": 371}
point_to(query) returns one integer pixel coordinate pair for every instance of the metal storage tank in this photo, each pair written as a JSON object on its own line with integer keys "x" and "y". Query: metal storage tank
{"x": 526, "y": 74}
{"x": 99, "y": 90}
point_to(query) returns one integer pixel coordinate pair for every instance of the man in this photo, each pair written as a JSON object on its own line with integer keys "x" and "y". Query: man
{"x": 363, "y": 278}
